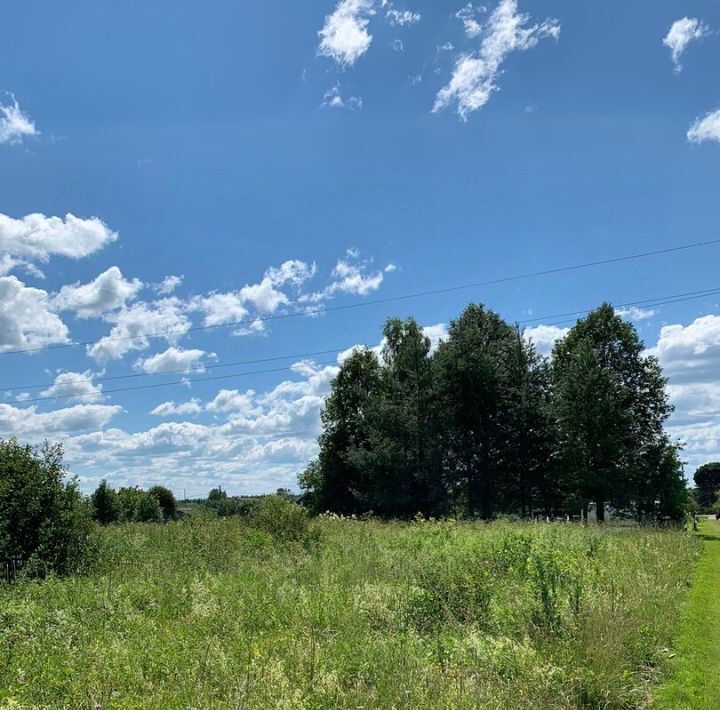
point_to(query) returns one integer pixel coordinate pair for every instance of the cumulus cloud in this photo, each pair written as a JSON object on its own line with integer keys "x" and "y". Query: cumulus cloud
{"x": 350, "y": 275}
{"x": 544, "y": 337}
{"x": 37, "y": 237}
{"x": 173, "y": 360}
{"x": 107, "y": 292}
{"x": 344, "y": 36}
{"x": 706, "y": 128}
{"x": 74, "y": 385}
{"x": 168, "y": 285}
{"x": 134, "y": 325}
{"x": 474, "y": 78}
{"x": 681, "y": 33}
{"x": 264, "y": 298}
{"x": 14, "y": 124}
{"x": 170, "y": 409}
{"x": 32, "y": 426}
{"x": 635, "y": 313}
{"x": 27, "y": 319}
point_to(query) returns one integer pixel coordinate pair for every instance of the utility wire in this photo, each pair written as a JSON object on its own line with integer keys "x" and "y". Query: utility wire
{"x": 648, "y": 302}
{"x": 377, "y": 301}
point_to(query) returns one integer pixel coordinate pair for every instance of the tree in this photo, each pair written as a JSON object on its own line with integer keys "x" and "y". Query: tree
{"x": 148, "y": 509}
{"x": 45, "y": 524}
{"x": 166, "y": 499}
{"x": 398, "y": 459}
{"x": 610, "y": 406}
{"x": 707, "y": 480}
{"x": 105, "y": 504}
{"x": 334, "y": 481}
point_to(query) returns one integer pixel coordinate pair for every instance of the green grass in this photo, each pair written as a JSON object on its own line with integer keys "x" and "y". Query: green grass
{"x": 695, "y": 680}
{"x": 216, "y": 613}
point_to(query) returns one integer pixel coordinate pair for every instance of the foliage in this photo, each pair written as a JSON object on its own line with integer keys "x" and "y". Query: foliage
{"x": 284, "y": 520}
{"x": 44, "y": 522}
{"x": 707, "y": 481}
{"x": 138, "y": 506}
{"x": 166, "y": 499}
{"x": 105, "y": 504}
{"x": 484, "y": 426}
{"x": 211, "y": 613}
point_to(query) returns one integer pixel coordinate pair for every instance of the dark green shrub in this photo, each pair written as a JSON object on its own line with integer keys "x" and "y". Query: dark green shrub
{"x": 138, "y": 506}
{"x": 105, "y": 504}
{"x": 45, "y": 525}
{"x": 167, "y": 501}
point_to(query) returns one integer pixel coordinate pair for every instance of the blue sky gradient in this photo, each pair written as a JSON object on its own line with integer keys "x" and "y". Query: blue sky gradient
{"x": 204, "y": 138}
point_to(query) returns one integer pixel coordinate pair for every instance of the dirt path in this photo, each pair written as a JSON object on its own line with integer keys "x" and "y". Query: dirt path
{"x": 695, "y": 680}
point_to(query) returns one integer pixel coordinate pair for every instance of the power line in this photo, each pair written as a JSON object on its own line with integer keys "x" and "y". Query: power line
{"x": 648, "y": 302}
{"x": 157, "y": 385}
{"x": 374, "y": 302}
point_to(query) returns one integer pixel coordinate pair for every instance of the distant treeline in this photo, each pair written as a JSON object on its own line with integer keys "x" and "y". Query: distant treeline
{"x": 486, "y": 426}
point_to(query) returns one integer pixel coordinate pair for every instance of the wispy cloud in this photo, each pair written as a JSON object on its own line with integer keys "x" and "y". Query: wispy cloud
{"x": 474, "y": 78}
{"x": 402, "y": 17}
{"x": 468, "y": 16}
{"x": 14, "y": 124}
{"x": 706, "y": 128}
{"x": 333, "y": 98}
{"x": 681, "y": 33}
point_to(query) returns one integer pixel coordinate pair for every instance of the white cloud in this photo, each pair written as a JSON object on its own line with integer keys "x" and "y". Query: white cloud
{"x": 32, "y": 426}
{"x": 168, "y": 285}
{"x": 173, "y": 360}
{"x": 635, "y": 313}
{"x": 170, "y": 409}
{"x": 107, "y": 292}
{"x": 350, "y": 275}
{"x": 397, "y": 45}
{"x": 681, "y": 33}
{"x": 474, "y": 78}
{"x": 264, "y": 297}
{"x": 26, "y": 317}
{"x": 706, "y": 128}
{"x": 345, "y": 37}
{"x": 402, "y": 17}
{"x": 234, "y": 401}
{"x": 133, "y": 326}
{"x": 333, "y": 98}
{"x": 37, "y": 237}
{"x": 74, "y": 385}
{"x": 14, "y": 124}
{"x": 544, "y": 337}
{"x": 468, "y": 16}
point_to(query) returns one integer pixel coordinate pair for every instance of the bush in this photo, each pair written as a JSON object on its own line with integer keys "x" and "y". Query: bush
{"x": 138, "y": 506}
{"x": 284, "y": 520}
{"x": 166, "y": 499}
{"x": 45, "y": 524}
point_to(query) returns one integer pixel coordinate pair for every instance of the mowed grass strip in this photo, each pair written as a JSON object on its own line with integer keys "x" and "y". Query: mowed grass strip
{"x": 695, "y": 680}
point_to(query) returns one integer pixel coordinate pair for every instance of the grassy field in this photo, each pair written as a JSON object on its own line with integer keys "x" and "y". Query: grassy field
{"x": 695, "y": 681}
{"x": 215, "y": 613}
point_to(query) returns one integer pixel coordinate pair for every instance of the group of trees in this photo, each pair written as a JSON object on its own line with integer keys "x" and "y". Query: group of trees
{"x": 132, "y": 504}
{"x": 485, "y": 425}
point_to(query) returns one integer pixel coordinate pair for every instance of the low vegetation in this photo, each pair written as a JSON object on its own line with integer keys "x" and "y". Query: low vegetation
{"x": 273, "y": 610}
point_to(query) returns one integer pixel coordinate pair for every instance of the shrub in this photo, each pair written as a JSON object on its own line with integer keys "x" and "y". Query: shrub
{"x": 105, "y": 504}
{"x": 45, "y": 524}
{"x": 138, "y": 506}
{"x": 167, "y": 501}
{"x": 284, "y": 520}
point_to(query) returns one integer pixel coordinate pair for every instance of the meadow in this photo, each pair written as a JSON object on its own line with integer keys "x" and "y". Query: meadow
{"x": 342, "y": 613}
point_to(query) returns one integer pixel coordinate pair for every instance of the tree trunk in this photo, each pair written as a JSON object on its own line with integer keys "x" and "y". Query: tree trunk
{"x": 601, "y": 511}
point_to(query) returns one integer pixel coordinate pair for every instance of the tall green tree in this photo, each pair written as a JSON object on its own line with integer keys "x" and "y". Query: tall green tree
{"x": 335, "y": 481}
{"x": 105, "y": 504}
{"x": 707, "y": 481}
{"x": 399, "y": 460}
{"x": 610, "y": 405}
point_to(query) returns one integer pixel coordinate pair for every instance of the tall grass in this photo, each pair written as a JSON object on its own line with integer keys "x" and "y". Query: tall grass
{"x": 223, "y": 613}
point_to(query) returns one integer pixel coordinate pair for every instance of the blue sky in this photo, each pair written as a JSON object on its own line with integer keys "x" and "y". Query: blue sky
{"x": 279, "y": 157}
